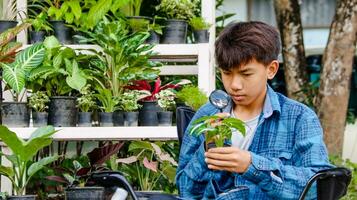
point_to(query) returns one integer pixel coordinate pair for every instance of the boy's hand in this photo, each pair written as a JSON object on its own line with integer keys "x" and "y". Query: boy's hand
{"x": 230, "y": 159}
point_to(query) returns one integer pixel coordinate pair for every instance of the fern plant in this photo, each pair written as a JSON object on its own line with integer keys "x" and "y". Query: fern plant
{"x": 16, "y": 73}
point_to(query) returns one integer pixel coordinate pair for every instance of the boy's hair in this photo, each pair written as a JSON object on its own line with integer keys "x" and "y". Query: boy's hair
{"x": 240, "y": 43}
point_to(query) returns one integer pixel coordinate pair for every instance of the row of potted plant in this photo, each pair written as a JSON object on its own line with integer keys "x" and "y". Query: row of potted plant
{"x": 67, "y": 18}
{"x": 104, "y": 80}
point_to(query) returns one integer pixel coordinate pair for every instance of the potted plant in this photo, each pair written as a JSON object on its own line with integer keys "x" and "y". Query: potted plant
{"x": 22, "y": 168}
{"x": 148, "y": 113}
{"x": 86, "y": 103}
{"x": 200, "y": 29}
{"x": 166, "y": 101}
{"x": 155, "y": 31}
{"x": 74, "y": 175}
{"x": 15, "y": 75}
{"x": 125, "y": 57}
{"x": 192, "y": 96}
{"x": 40, "y": 27}
{"x": 149, "y": 167}
{"x": 129, "y": 104}
{"x": 177, "y": 12}
{"x": 217, "y": 129}
{"x": 109, "y": 104}
{"x": 8, "y": 15}
{"x": 62, "y": 78}
{"x": 38, "y": 102}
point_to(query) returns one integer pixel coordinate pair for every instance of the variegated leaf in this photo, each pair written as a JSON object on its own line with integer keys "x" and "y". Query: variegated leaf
{"x": 30, "y": 57}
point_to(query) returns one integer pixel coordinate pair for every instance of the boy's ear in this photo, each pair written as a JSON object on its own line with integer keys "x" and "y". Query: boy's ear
{"x": 272, "y": 69}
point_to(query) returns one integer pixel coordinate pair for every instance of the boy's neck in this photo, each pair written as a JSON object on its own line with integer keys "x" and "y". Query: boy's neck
{"x": 252, "y": 110}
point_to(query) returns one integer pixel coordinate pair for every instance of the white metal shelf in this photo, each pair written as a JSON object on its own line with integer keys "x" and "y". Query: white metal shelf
{"x": 106, "y": 133}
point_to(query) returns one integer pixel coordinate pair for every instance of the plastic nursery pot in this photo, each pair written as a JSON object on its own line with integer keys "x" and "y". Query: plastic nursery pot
{"x": 106, "y": 119}
{"x": 36, "y": 36}
{"x": 131, "y": 118}
{"x": 24, "y": 197}
{"x": 81, "y": 193}
{"x": 154, "y": 38}
{"x": 62, "y": 32}
{"x": 148, "y": 113}
{"x": 85, "y": 119}
{"x": 165, "y": 118}
{"x": 15, "y": 114}
{"x": 62, "y": 111}
{"x": 39, "y": 119}
{"x": 175, "y": 32}
{"x": 4, "y": 25}
{"x": 118, "y": 118}
{"x": 201, "y": 36}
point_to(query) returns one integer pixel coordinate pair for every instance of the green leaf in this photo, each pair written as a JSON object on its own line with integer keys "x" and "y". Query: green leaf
{"x": 76, "y": 8}
{"x": 204, "y": 118}
{"x": 42, "y": 132}
{"x": 51, "y": 42}
{"x": 235, "y": 123}
{"x": 97, "y": 12}
{"x": 8, "y": 172}
{"x": 76, "y": 80}
{"x": 14, "y": 77}
{"x": 30, "y": 57}
{"x": 35, "y": 167}
{"x": 11, "y": 140}
{"x": 140, "y": 145}
{"x": 33, "y": 147}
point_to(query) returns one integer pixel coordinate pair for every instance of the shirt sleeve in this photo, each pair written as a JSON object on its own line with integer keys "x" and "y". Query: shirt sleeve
{"x": 309, "y": 156}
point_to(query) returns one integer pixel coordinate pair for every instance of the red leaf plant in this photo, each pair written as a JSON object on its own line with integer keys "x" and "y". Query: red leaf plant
{"x": 145, "y": 85}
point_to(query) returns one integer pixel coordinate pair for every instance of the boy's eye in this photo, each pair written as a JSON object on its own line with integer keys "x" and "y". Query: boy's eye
{"x": 226, "y": 72}
{"x": 247, "y": 74}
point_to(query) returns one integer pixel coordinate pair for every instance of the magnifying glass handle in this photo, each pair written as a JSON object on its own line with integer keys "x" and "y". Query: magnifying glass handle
{"x": 221, "y": 110}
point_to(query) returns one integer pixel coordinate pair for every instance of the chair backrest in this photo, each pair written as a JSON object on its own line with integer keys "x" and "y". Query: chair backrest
{"x": 184, "y": 115}
{"x": 331, "y": 183}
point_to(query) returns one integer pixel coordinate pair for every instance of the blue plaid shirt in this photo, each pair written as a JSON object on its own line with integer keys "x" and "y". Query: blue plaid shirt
{"x": 287, "y": 149}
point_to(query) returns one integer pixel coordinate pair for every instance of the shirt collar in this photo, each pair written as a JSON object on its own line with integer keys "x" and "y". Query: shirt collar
{"x": 271, "y": 103}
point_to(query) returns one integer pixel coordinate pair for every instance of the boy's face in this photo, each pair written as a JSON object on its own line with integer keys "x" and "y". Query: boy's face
{"x": 247, "y": 83}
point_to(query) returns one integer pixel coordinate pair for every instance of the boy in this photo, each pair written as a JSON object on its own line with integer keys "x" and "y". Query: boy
{"x": 283, "y": 146}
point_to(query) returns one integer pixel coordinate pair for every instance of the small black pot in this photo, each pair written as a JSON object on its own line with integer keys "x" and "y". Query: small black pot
{"x": 118, "y": 118}
{"x": 154, "y": 38}
{"x": 39, "y": 119}
{"x": 131, "y": 118}
{"x": 213, "y": 145}
{"x": 106, "y": 119}
{"x": 24, "y": 197}
{"x": 62, "y": 111}
{"x": 165, "y": 118}
{"x": 201, "y": 36}
{"x": 175, "y": 32}
{"x": 15, "y": 114}
{"x": 37, "y": 36}
{"x": 62, "y": 32}
{"x": 88, "y": 193}
{"x": 148, "y": 113}
{"x": 85, "y": 119}
{"x": 4, "y": 25}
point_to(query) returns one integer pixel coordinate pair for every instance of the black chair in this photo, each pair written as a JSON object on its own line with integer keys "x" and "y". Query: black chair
{"x": 110, "y": 179}
{"x": 331, "y": 183}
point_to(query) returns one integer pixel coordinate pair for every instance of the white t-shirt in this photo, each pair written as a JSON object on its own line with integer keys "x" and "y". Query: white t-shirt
{"x": 244, "y": 142}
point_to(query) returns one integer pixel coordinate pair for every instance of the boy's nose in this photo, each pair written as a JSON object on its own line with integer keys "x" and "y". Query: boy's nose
{"x": 237, "y": 83}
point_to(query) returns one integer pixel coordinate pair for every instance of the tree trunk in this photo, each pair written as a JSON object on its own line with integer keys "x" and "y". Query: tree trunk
{"x": 289, "y": 23}
{"x": 332, "y": 100}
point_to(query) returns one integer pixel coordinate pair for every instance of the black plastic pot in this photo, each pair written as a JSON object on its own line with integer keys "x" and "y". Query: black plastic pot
{"x": 15, "y": 114}
{"x": 165, "y": 118}
{"x": 39, "y": 119}
{"x": 106, "y": 119}
{"x": 201, "y": 36}
{"x": 37, "y": 36}
{"x": 81, "y": 193}
{"x": 62, "y": 111}
{"x": 118, "y": 118}
{"x": 4, "y": 25}
{"x": 131, "y": 118}
{"x": 175, "y": 32}
{"x": 148, "y": 113}
{"x": 24, "y": 197}
{"x": 85, "y": 119}
{"x": 154, "y": 38}
{"x": 62, "y": 32}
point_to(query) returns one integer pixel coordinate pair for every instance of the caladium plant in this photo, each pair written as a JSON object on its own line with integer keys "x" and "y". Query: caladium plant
{"x": 218, "y": 128}
{"x": 145, "y": 85}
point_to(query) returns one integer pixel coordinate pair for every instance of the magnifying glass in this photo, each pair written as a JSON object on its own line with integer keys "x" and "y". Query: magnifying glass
{"x": 219, "y": 99}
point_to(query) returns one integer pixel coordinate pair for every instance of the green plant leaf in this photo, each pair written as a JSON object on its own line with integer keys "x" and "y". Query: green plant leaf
{"x": 76, "y": 8}
{"x": 30, "y": 57}
{"x": 14, "y": 77}
{"x": 51, "y": 42}
{"x": 8, "y": 172}
{"x": 11, "y": 140}
{"x": 204, "y": 118}
{"x": 76, "y": 80}
{"x": 235, "y": 123}
{"x": 97, "y": 12}
{"x": 42, "y": 132}
{"x": 35, "y": 167}
{"x": 140, "y": 145}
